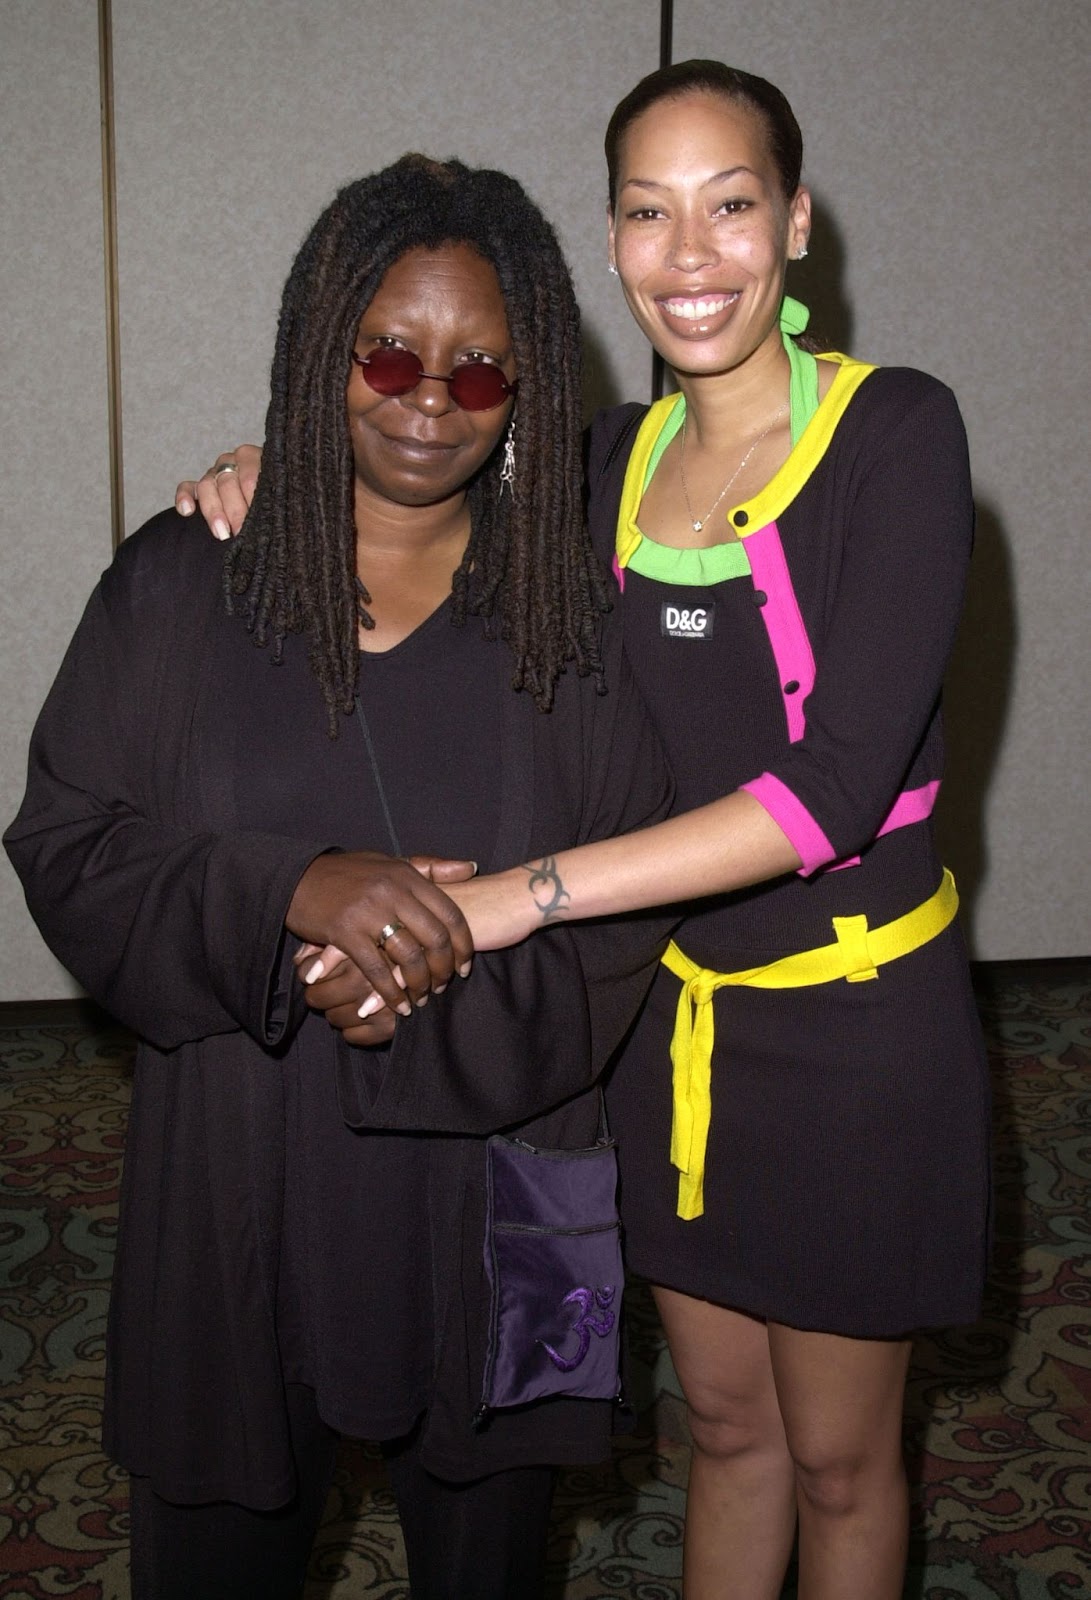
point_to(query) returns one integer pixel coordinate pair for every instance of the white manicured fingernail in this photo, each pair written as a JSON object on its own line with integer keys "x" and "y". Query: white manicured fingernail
{"x": 405, "y": 1009}
{"x": 373, "y": 1003}
{"x": 465, "y": 969}
{"x": 186, "y": 506}
{"x": 220, "y": 528}
{"x": 312, "y": 974}
{"x": 396, "y": 974}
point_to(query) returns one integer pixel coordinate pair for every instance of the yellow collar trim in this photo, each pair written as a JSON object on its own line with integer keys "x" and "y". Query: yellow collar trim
{"x": 769, "y": 503}
{"x": 783, "y": 487}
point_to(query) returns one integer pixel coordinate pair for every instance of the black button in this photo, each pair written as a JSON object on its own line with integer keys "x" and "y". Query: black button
{"x": 760, "y": 597}
{"x": 792, "y": 687}
{"x": 740, "y": 519}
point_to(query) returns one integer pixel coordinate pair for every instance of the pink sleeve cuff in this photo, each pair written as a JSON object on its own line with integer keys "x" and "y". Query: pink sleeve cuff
{"x": 794, "y": 821}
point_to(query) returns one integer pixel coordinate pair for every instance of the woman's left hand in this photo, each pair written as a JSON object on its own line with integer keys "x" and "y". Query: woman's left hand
{"x": 335, "y": 985}
{"x": 501, "y": 909}
{"x": 323, "y": 959}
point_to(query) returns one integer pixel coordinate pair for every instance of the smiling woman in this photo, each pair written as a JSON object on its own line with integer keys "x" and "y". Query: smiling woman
{"x": 802, "y": 1110}
{"x": 700, "y": 248}
{"x": 443, "y": 307}
{"x": 432, "y": 454}
{"x": 443, "y": 312}
{"x": 304, "y": 1218}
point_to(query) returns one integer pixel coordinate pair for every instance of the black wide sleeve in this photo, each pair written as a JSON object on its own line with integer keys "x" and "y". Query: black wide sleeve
{"x": 175, "y": 928}
{"x": 536, "y": 1025}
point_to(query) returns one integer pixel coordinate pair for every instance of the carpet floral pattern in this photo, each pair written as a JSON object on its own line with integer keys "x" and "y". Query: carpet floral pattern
{"x": 998, "y": 1422}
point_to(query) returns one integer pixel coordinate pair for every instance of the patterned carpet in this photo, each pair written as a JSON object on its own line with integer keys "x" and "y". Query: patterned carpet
{"x": 998, "y": 1426}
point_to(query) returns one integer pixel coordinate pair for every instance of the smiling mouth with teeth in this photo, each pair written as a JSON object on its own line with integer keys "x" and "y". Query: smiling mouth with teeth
{"x": 695, "y": 310}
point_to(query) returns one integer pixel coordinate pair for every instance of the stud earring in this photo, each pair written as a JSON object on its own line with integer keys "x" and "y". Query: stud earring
{"x": 611, "y": 268}
{"x": 507, "y": 470}
{"x": 801, "y": 252}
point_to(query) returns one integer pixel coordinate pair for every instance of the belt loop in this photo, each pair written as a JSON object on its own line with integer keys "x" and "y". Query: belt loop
{"x": 852, "y": 935}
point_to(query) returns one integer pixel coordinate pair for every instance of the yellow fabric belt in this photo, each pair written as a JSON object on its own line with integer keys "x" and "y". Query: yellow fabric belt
{"x": 855, "y": 956}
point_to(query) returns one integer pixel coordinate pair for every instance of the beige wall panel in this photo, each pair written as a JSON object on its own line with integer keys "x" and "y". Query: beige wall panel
{"x": 947, "y": 149}
{"x": 54, "y": 494}
{"x": 236, "y": 123}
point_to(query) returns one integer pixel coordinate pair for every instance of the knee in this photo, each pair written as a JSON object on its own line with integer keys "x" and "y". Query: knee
{"x": 726, "y": 1430}
{"x": 835, "y": 1483}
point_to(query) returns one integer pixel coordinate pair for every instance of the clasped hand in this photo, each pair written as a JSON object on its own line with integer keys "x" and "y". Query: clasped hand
{"x": 340, "y": 909}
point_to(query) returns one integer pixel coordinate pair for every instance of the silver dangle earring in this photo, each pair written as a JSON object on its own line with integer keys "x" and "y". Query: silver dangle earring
{"x": 507, "y": 470}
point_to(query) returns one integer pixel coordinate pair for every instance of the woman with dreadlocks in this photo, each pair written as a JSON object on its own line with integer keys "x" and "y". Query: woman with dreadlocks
{"x": 301, "y": 1243}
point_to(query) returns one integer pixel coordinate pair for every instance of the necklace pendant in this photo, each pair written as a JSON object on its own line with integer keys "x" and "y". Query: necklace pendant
{"x": 697, "y": 526}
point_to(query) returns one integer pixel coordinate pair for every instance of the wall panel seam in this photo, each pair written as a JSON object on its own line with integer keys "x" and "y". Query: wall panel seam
{"x": 110, "y": 272}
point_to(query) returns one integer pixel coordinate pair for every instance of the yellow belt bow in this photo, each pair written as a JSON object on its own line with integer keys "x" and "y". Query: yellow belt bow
{"x": 855, "y": 956}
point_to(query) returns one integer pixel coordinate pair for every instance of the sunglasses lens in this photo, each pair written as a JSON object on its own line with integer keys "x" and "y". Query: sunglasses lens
{"x": 389, "y": 371}
{"x": 479, "y": 386}
{"x": 475, "y": 386}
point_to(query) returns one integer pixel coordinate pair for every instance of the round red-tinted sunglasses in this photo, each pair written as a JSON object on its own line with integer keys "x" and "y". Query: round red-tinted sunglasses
{"x": 473, "y": 385}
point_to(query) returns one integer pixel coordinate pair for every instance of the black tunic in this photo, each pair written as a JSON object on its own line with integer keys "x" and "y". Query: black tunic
{"x": 847, "y": 1180}
{"x": 179, "y": 785}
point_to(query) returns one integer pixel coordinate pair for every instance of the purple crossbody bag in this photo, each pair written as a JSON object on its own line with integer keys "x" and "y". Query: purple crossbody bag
{"x": 553, "y": 1261}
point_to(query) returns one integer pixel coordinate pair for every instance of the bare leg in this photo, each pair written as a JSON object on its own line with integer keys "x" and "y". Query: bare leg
{"x": 740, "y": 1515}
{"x": 841, "y": 1402}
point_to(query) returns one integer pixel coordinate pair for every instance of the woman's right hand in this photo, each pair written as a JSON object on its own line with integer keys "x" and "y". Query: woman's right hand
{"x": 346, "y": 900}
{"x": 224, "y": 497}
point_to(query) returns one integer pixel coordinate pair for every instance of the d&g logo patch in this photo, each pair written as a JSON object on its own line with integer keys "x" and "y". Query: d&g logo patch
{"x": 687, "y": 622}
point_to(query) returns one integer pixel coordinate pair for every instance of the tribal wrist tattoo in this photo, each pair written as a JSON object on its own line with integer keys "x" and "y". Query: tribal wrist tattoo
{"x": 547, "y": 891}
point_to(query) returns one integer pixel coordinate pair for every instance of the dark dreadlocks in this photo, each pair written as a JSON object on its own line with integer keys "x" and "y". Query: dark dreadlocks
{"x": 528, "y": 569}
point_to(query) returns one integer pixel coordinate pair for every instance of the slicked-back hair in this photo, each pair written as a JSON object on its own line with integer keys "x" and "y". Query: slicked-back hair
{"x": 730, "y": 83}
{"x": 528, "y": 570}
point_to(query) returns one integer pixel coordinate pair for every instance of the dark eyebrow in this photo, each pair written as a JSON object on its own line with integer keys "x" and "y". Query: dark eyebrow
{"x": 732, "y": 172}
{"x": 719, "y": 177}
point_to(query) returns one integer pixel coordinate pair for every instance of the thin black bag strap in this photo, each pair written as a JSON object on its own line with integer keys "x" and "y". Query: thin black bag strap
{"x": 352, "y": 1094}
{"x": 369, "y": 745}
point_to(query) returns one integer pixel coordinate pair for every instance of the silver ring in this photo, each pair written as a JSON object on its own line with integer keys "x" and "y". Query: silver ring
{"x": 218, "y": 472}
{"x": 388, "y": 932}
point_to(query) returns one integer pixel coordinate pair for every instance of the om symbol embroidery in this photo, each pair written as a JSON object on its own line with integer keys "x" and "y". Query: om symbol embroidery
{"x": 594, "y": 1316}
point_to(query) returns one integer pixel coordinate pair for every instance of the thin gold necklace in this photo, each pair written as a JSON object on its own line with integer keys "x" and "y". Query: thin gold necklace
{"x": 698, "y": 524}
